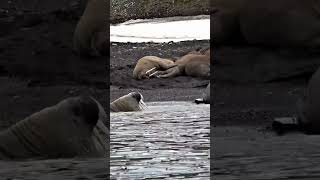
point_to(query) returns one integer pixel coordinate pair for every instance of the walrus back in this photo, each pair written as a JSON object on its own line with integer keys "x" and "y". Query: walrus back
{"x": 195, "y": 65}
{"x": 62, "y": 130}
{"x": 125, "y": 104}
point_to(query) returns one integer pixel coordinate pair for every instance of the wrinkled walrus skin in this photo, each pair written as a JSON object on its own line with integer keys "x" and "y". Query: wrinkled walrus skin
{"x": 72, "y": 128}
{"x": 90, "y": 32}
{"x": 148, "y": 62}
{"x": 194, "y": 64}
{"x": 130, "y": 102}
{"x": 271, "y": 23}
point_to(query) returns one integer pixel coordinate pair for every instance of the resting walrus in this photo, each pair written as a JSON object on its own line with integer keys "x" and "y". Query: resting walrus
{"x": 192, "y": 64}
{"x": 149, "y": 63}
{"x": 73, "y": 127}
{"x": 130, "y": 102}
{"x": 195, "y": 63}
{"x": 90, "y": 33}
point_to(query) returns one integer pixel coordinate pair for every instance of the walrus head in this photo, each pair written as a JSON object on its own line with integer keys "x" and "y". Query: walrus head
{"x": 86, "y": 108}
{"x": 130, "y": 102}
{"x": 67, "y": 129}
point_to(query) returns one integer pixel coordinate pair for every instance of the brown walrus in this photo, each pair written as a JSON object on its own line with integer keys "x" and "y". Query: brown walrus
{"x": 74, "y": 127}
{"x": 90, "y": 33}
{"x": 195, "y": 64}
{"x": 130, "y": 102}
{"x": 147, "y": 64}
{"x": 285, "y": 23}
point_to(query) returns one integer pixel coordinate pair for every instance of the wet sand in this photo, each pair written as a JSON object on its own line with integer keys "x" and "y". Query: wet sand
{"x": 244, "y": 145}
{"x": 122, "y": 62}
{"x": 38, "y": 69}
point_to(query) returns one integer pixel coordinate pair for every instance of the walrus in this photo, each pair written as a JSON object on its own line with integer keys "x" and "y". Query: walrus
{"x": 130, "y": 102}
{"x": 147, "y": 64}
{"x": 205, "y": 96}
{"x": 286, "y": 23}
{"x": 75, "y": 127}
{"x": 192, "y": 64}
{"x": 90, "y": 34}
{"x": 308, "y": 114}
{"x": 308, "y": 107}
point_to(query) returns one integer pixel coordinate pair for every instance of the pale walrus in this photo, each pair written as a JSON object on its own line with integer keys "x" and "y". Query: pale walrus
{"x": 147, "y": 64}
{"x": 130, "y": 102}
{"x": 192, "y": 64}
{"x": 74, "y": 127}
{"x": 90, "y": 33}
{"x": 205, "y": 96}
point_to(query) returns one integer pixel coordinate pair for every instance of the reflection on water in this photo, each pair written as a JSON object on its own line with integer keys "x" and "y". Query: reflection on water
{"x": 169, "y": 140}
{"x": 162, "y": 29}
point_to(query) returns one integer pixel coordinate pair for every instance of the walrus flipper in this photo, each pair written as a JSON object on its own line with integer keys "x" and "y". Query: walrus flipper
{"x": 172, "y": 72}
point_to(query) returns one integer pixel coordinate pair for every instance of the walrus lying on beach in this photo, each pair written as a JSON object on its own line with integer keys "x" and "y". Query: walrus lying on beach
{"x": 90, "y": 35}
{"x": 205, "y": 96}
{"x": 192, "y": 64}
{"x": 195, "y": 64}
{"x": 130, "y": 102}
{"x": 146, "y": 64}
{"x": 74, "y": 127}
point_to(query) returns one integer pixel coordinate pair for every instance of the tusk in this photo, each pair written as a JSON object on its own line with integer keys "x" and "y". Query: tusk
{"x": 153, "y": 74}
{"x": 147, "y": 72}
{"x": 143, "y": 105}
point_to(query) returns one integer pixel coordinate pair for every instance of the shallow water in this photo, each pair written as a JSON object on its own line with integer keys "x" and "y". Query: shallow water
{"x": 168, "y": 140}
{"x": 162, "y": 29}
{"x": 52, "y": 169}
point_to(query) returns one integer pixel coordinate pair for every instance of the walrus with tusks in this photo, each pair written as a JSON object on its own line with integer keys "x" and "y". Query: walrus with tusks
{"x": 147, "y": 64}
{"x": 75, "y": 127}
{"x": 130, "y": 102}
{"x": 90, "y": 35}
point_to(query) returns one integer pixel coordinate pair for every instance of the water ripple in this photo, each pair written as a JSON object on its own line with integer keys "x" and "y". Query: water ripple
{"x": 169, "y": 139}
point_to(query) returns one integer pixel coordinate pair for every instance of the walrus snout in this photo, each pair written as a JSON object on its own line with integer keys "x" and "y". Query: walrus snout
{"x": 88, "y": 109}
